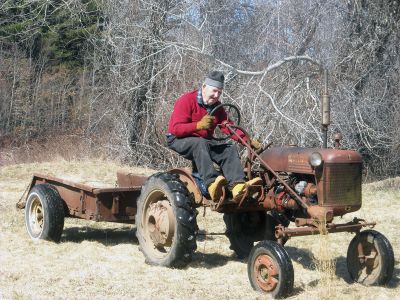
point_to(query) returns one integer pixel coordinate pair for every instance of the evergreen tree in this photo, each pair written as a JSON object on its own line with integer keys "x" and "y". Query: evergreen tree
{"x": 62, "y": 33}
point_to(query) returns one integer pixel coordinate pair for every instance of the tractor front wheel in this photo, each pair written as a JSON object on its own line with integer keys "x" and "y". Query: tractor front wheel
{"x": 370, "y": 258}
{"x": 166, "y": 221}
{"x": 270, "y": 269}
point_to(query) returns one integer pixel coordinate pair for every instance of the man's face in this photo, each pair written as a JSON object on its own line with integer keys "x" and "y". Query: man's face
{"x": 210, "y": 94}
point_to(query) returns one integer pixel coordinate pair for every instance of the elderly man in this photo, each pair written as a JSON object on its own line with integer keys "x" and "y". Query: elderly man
{"x": 190, "y": 132}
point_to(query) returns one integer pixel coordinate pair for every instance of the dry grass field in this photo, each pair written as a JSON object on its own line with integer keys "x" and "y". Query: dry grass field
{"x": 102, "y": 260}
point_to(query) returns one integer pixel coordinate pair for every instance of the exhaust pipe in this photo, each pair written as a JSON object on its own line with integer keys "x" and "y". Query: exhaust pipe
{"x": 326, "y": 111}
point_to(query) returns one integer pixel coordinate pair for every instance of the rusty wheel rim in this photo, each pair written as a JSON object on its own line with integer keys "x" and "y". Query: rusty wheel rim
{"x": 158, "y": 224}
{"x": 368, "y": 260}
{"x": 266, "y": 273}
{"x": 36, "y": 219}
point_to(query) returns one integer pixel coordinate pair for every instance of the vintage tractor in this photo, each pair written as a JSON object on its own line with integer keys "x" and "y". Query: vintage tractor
{"x": 308, "y": 187}
{"x": 305, "y": 187}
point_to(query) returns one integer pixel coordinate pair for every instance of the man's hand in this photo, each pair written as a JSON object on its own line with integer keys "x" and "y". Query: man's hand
{"x": 224, "y": 123}
{"x": 257, "y": 146}
{"x": 205, "y": 123}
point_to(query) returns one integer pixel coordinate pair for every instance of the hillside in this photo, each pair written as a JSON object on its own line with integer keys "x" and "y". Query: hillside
{"x": 101, "y": 260}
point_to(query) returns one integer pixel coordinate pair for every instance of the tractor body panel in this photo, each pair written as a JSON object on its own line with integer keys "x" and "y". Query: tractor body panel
{"x": 295, "y": 159}
{"x": 338, "y": 179}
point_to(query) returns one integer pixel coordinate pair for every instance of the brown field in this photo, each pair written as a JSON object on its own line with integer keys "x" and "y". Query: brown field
{"x": 102, "y": 260}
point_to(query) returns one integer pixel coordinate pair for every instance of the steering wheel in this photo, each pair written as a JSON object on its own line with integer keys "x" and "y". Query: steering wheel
{"x": 232, "y": 113}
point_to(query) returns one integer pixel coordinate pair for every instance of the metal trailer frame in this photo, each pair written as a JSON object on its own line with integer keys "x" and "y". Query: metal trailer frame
{"x": 115, "y": 204}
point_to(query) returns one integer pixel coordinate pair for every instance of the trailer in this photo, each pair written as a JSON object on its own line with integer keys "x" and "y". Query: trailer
{"x": 50, "y": 199}
{"x": 160, "y": 205}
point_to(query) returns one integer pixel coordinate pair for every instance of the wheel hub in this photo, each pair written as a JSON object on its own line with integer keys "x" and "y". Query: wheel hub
{"x": 160, "y": 223}
{"x": 368, "y": 259}
{"x": 36, "y": 216}
{"x": 266, "y": 273}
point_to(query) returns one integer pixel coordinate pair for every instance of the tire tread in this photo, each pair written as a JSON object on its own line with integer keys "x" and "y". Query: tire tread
{"x": 53, "y": 205}
{"x": 182, "y": 202}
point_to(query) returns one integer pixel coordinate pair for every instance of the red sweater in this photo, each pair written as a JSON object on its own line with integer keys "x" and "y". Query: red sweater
{"x": 187, "y": 112}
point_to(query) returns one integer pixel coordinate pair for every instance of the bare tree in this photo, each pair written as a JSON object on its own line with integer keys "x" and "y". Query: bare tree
{"x": 139, "y": 56}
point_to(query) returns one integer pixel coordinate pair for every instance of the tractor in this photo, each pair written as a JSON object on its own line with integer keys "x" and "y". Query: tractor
{"x": 303, "y": 190}
{"x": 305, "y": 187}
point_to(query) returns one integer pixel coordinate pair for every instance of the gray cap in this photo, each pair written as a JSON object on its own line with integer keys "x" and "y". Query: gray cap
{"x": 215, "y": 79}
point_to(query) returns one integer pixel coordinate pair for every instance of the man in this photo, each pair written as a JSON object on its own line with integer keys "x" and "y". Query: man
{"x": 190, "y": 133}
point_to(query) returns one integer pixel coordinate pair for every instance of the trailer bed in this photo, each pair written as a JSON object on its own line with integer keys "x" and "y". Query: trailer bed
{"x": 111, "y": 204}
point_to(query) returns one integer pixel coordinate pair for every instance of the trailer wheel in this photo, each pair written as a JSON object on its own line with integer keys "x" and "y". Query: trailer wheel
{"x": 245, "y": 228}
{"x": 44, "y": 213}
{"x": 166, "y": 221}
{"x": 370, "y": 258}
{"x": 270, "y": 269}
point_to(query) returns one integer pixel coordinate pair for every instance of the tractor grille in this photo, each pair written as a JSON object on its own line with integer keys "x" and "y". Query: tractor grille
{"x": 342, "y": 184}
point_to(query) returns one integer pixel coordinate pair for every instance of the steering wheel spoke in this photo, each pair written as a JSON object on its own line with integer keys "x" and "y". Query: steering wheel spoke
{"x": 233, "y": 117}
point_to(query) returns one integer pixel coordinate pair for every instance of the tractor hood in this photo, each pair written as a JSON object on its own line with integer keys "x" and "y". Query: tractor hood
{"x": 296, "y": 159}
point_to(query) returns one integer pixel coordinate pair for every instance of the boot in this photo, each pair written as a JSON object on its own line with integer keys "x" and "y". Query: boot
{"x": 254, "y": 181}
{"x": 215, "y": 188}
{"x": 240, "y": 188}
{"x": 238, "y": 191}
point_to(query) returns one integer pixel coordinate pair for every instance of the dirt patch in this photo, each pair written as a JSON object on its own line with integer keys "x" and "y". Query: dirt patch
{"x": 102, "y": 260}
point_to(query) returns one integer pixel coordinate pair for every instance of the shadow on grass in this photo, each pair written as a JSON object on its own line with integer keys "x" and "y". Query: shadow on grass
{"x": 302, "y": 256}
{"x": 395, "y": 282}
{"x": 127, "y": 235}
{"x": 210, "y": 260}
{"x": 342, "y": 272}
{"x": 202, "y": 236}
{"x": 106, "y": 236}
{"x": 341, "y": 269}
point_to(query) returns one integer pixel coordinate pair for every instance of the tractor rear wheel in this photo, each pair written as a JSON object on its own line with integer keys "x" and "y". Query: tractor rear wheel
{"x": 270, "y": 269}
{"x": 245, "y": 228}
{"x": 166, "y": 221}
{"x": 370, "y": 258}
{"x": 44, "y": 213}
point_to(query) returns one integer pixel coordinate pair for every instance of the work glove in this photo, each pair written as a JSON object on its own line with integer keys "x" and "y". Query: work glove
{"x": 205, "y": 123}
{"x": 256, "y": 145}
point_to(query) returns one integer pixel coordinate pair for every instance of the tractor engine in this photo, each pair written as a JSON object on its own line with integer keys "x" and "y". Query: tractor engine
{"x": 280, "y": 198}
{"x": 319, "y": 182}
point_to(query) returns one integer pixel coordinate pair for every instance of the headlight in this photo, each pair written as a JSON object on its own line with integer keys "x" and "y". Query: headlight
{"x": 315, "y": 159}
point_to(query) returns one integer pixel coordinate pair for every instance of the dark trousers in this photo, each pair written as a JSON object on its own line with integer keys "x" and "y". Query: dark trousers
{"x": 206, "y": 152}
